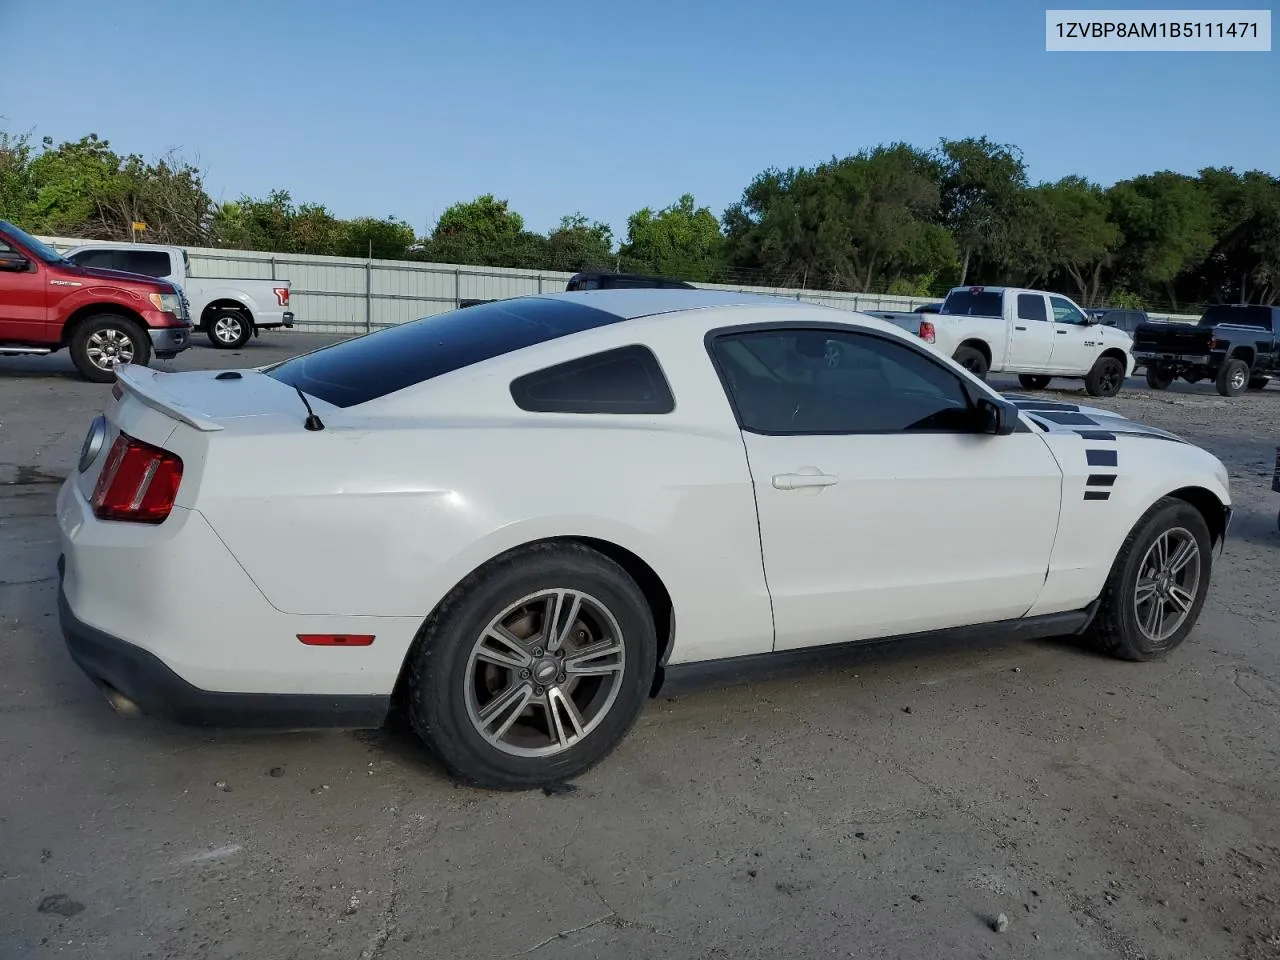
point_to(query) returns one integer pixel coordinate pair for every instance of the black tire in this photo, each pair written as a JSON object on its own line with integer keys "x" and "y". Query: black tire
{"x": 973, "y": 360}
{"x": 1115, "y": 630}
{"x": 1258, "y": 383}
{"x": 1233, "y": 378}
{"x": 1158, "y": 379}
{"x": 103, "y": 342}
{"x": 440, "y": 685}
{"x": 229, "y": 329}
{"x": 1033, "y": 381}
{"x": 1106, "y": 378}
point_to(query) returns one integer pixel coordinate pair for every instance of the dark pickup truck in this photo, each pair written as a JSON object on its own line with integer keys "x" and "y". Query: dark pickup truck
{"x": 1232, "y": 345}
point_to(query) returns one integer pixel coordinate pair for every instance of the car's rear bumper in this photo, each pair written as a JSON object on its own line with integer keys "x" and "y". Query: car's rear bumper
{"x": 147, "y": 683}
{"x": 1150, "y": 359}
{"x": 286, "y": 320}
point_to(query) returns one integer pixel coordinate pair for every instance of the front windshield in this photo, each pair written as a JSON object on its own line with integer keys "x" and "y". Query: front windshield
{"x": 38, "y": 247}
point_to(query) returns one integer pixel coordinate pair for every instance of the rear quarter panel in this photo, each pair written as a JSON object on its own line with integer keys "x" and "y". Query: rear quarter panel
{"x": 384, "y": 512}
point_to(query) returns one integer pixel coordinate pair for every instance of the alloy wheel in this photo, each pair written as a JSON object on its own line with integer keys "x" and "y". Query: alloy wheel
{"x": 109, "y": 348}
{"x": 544, "y": 673}
{"x": 1168, "y": 582}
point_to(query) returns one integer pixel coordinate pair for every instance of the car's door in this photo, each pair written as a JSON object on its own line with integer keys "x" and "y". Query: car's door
{"x": 22, "y": 296}
{"x": 882, "y": 508}
{"x": 1075, "y": 340}
{"x": 1031, "y": 336}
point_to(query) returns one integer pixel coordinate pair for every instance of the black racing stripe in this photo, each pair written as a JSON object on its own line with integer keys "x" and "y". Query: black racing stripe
{"x": 1096, "y": 434}
{"x": 1046, "y": 405}
{"x": 1101, "y": 458}
{"x": 1097, "y": 494}
{"x": 1071, "y": 419}
{"x": 1101, "y": 480}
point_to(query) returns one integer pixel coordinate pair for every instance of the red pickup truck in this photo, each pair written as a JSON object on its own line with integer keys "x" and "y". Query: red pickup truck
{"x": 103, "y": 317}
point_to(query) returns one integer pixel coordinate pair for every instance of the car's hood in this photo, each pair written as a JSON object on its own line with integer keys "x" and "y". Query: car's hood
{"x": 1056, "y": 416}
{"x": 116, "y": 276}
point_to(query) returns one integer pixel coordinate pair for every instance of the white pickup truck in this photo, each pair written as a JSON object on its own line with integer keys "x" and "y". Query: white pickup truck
{"x": 228, "y": 310}
{"x": 1036, "y": 334}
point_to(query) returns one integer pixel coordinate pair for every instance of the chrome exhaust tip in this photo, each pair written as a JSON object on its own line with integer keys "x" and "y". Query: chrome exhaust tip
{"x": 119, "y": 702}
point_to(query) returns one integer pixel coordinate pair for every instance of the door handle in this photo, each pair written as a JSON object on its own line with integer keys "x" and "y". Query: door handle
{"x": 1063, "y": 333}
{"x": 801, "y": 481}
{"x": 1020, "y": 328}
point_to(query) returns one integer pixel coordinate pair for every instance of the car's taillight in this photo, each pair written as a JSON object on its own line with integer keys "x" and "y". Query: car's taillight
{"x": 282, "y": 295}
{"x": 927, "y": 333}
{"x": 138, "y": 482}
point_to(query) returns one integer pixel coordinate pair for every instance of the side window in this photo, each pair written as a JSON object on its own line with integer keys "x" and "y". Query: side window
{"x": 625, "y": 380}
{"x": 152, "y": 263}
{"x": 1031, "y": 307}
{"x": 1064, "y": 311}
{"x": 834, "y": 381}
{"x": 98, "y": 259}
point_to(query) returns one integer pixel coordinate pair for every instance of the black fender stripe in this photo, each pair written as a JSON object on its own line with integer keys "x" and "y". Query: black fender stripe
{"x": 1101, "y": 458}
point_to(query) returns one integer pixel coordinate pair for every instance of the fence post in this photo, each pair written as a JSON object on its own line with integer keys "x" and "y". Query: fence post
{"x": 539, "y": 283}
{"x": 368, "y": 296}
{"x": 457, "y": 288}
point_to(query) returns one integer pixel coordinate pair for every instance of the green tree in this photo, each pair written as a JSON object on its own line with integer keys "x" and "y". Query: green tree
{"x": 864, "y": 222}
{"x": 1245, "y": 262}
{"x": 1075, "y": 237}
{"x": 385, "y": 239}
{"x": 682, "y": 241}
{"x": 1166, "y": 221}
{"x": 579, "y": 244}
{"x": 982, "y": 187}
{"x": 483, "y": 231}
{"x": 17, "y": 186}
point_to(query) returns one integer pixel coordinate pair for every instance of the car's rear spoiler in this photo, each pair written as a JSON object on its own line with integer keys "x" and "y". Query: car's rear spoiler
{"x": 144, "y": 383}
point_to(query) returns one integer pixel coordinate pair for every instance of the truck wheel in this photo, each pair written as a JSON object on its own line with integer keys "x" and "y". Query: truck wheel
{"x": 1158, "y": 379}
{"x": 229, "y": 330}
{"x": 1033, "y": 381}
{"x": 1258, "y": 383}
{"x": 1106, "y": 378}
{"x": 1233, "y": 378}
{"x": 972, "y": 360}
{"x": 1157, "y": 585}
{"x": 104, "y": 342}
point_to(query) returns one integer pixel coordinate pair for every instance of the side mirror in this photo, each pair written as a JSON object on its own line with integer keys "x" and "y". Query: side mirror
{"x": 997, "y": 417}
{"x": 14, "y": 262}
{"x": 1090, "y": 320}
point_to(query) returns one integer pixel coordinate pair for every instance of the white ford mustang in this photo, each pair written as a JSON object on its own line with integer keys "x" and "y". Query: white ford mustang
{"x": 522, "y": 519}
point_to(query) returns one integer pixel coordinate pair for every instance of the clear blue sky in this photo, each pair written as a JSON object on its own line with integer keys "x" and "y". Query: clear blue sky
{"x": 406, "y": 106}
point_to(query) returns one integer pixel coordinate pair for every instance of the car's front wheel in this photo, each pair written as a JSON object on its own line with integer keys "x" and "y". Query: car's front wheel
{"x": 534, "y": 668}
{"x": 102, "y": 343}
{"x": 1105, "y": 378}
{"x": 1157, "y": 585}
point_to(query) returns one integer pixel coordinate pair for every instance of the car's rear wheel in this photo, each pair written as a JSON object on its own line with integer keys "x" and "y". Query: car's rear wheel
{"x": 1031, "y": 381}
{"x": 229, "y": 330}
{"x": 104, "y": 342}
{"x": 534, "y": 668}
{"x": 973, "y": 360}
{"x": 1106, "y": 378}
{"x": 1157, "y": 585}
{"x": 1158, "y": 379}
{"x": 1233, "y": 378}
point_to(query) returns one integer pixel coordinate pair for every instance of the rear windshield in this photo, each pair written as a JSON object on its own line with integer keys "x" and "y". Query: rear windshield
{"x": 377, "y": 364}
{"x": 1248, "y": 316}
{"x": 969, "y": 304}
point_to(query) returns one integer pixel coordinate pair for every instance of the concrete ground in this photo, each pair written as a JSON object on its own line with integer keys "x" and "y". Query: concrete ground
{"x": 892, "y": 808}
